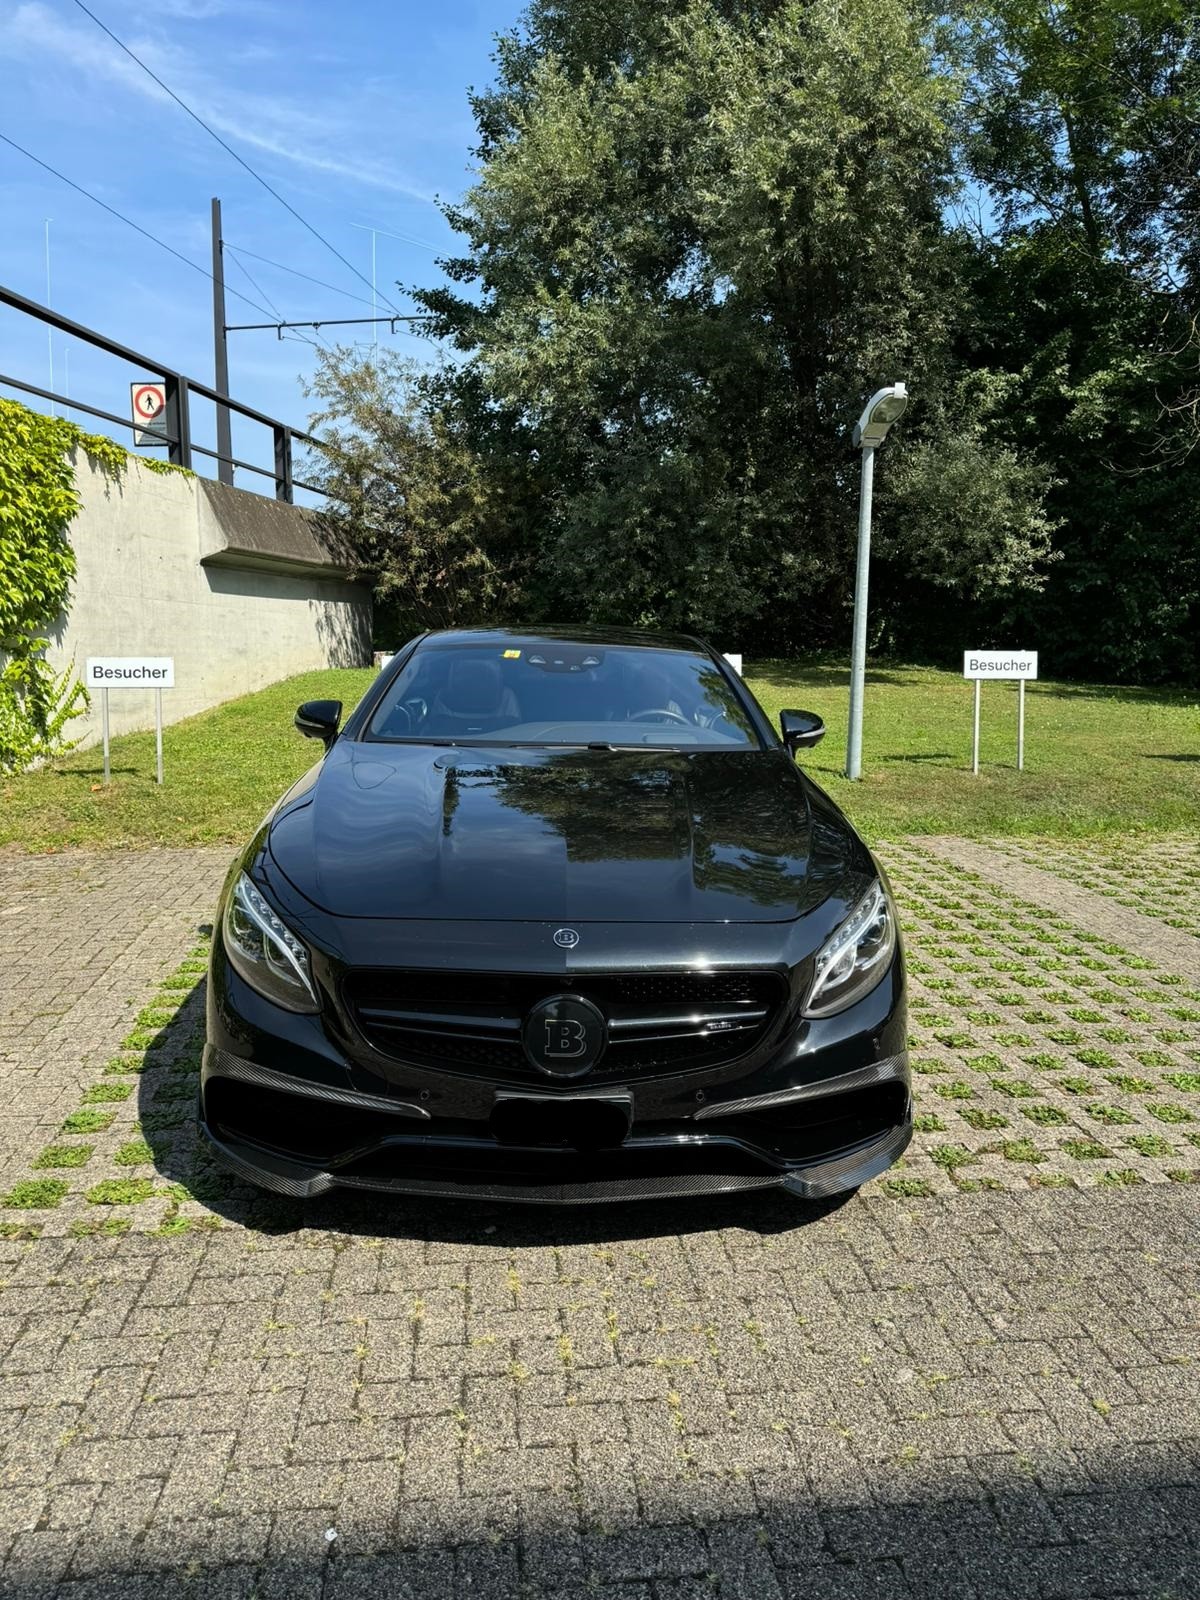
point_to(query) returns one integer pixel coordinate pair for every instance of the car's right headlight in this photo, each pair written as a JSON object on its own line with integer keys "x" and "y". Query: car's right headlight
{"x": 855, "y": 956}
{"x": 264, "y": 951}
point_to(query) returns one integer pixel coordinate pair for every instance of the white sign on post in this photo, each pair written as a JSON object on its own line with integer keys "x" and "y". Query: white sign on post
{"x": 1000, "y": 663}
{"x": 1003, "y": 665}
{"x": 131, "y": 672}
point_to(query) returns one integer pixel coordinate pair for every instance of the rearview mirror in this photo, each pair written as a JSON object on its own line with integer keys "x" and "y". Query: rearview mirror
{"x": 318, "y": 719}
{"x": 801, "y": 729}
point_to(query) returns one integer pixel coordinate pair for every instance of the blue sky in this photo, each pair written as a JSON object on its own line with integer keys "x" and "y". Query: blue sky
{"x": 357, "y": 113}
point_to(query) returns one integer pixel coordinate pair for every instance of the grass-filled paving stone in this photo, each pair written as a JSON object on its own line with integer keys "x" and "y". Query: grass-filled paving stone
{"x": 1086, "y": 1150}
{"x": 139, "y": 1039}
{"x": 1129, "y": 1084}
{"x": 1149, "y": 1144}
{"x": 1022, "y": 1150}
{"x": 126, "y": 1066}
{"x": 987, "y": 1063}
{"x": 36, "y": 1194}
{"x": 99, "y": 1093}
{"x": 64, "y": 1155}
{"x": 907, "y": 1188}
{"x": 89, "y": 1121}
{"x": 1155, "y": 1058}
{"x": 1165, "y": 1112}
{"x": 100, "y": 1227}
{"x": 974, "y": 1118}
{"x": 1113, "y": 1115}
{"x": 1015, "y": 1088}
{"x": 1096, "y": 1058}
{"x": 176, "y": 1089}
{"x": 121, "y": 1191}
{"x": 1045, "y": 1116}
{"x": 958, "y": 1090}
{"x": 134, "y": 1154}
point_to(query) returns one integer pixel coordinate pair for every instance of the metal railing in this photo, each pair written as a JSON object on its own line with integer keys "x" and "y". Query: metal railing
{"x": 177, "y": 418}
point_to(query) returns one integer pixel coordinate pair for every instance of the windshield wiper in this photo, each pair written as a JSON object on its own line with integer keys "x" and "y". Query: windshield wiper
{"x": 601, "y": 745}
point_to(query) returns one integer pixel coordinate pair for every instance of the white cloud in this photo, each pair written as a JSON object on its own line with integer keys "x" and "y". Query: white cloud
{"x": 316, "y": 141}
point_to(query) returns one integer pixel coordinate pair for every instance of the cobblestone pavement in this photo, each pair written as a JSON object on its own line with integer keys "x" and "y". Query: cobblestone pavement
{"x": 930, "y": 1389}
{"x": 1155, "y": 876}
{"x": 1043, "y": 1052}
{"x": 82, "y": 938}
{"x": 1143, "y": 895}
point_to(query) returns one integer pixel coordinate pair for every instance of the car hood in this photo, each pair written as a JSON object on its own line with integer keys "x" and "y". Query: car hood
{"x": 570, "y": 836}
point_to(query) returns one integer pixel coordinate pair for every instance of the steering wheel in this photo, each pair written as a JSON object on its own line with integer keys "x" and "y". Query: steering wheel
{"x": 394, "y": 730}
{"x": 659, "y": 714}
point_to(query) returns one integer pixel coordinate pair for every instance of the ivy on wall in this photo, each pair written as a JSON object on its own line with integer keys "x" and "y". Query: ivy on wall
{"x": 38, "y": 501}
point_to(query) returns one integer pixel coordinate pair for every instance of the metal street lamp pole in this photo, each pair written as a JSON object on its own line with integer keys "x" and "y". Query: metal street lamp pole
{"x": 858, "y": 647}
{"x": 884, "y": 408}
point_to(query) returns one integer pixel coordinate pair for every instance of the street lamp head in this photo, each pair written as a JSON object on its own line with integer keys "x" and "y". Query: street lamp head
{"x": 883, "y": 408}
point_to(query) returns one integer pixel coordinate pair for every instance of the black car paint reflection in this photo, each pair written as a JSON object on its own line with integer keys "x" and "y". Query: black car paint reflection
{"x": 428, "y": 879}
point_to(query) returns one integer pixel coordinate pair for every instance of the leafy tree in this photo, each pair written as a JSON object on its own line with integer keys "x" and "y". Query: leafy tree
{"x": 424, "y": 513}
{"x": 1084, "y": 125}
{"x": 701, "y": 235}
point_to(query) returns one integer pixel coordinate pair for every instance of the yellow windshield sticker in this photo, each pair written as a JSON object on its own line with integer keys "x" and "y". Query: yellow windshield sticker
{"x": 512, "y": 655}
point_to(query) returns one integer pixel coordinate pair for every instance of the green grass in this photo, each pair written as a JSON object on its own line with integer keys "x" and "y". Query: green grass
{"x": 1098, "y": 760}
{"x": 88, "y": 1121}
{"x": 121, "y": 1191}
{"x": 37, "y": 1194}
{"x": 223, "y": 769}
{"x": 64, "y": 1155}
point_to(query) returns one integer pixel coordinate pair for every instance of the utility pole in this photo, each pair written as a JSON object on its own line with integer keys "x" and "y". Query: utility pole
{"x": 221, "y": 349}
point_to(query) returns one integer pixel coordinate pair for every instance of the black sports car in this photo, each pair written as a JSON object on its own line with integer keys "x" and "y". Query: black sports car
{"x": 557, "y": 918}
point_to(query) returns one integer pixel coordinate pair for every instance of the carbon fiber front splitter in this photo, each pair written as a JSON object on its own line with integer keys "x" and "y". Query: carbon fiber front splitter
{"x": 832, "y": 1174}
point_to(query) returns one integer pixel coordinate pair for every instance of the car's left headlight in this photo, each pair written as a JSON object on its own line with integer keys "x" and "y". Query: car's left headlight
{"x": 264, "y": 951}
{"x": 855, "y": 956}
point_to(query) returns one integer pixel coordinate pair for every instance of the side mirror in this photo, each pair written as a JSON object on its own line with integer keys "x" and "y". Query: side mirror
{"x": 801, "y": 729}
{"x": 318, "y": 719}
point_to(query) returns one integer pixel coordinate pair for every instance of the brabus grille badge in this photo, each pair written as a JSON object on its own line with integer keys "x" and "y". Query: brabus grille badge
{"x": 632, "y": 1023}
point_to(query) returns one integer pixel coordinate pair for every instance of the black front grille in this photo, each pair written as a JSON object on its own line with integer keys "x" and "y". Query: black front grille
{"x": 657, "y": 1022}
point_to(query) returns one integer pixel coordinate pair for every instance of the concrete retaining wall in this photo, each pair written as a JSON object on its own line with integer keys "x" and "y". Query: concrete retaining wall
{"x": 241, "y": 590}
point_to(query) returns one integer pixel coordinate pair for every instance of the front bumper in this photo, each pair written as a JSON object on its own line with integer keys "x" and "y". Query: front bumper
{"x": 285, "y": 1106}
{"x": 303, "y": 1104}
{"x": 640, "y": 1169}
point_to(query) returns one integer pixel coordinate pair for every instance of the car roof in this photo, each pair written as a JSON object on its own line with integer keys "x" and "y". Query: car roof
{"x": 649, "y": 638}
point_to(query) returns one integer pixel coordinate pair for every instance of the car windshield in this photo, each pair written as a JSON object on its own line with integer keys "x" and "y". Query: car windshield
{"x": 552, "y": 692}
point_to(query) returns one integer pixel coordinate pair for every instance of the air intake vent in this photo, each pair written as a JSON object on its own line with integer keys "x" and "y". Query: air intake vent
{"x": 657, "y": 1021}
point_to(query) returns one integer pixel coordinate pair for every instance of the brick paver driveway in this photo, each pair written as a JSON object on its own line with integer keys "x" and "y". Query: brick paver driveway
{"x": 977, "y": 1379}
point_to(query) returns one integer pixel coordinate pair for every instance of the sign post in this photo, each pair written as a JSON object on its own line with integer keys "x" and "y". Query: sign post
{"x": 131, "y": 672}
{"x": 1003, "y": 665}
{"x": 1020, "y": 724}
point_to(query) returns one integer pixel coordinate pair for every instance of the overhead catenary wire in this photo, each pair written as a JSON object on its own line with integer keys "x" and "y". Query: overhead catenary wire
{"x": 228, "y": 148}
{"x": 324, "y": 322}
{"x": 301, "y": 337}
{"x": 128, "y": 221}
{"x": 404, "y": 238}
{"x": 240, "y": 250}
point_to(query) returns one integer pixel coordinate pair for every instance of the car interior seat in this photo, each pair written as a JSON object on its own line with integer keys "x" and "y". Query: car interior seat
{"x": 475, "y": 699}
